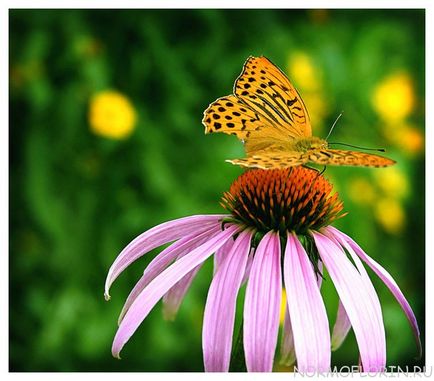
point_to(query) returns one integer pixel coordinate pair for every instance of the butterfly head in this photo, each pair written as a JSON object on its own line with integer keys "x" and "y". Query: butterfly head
{"x": 319, "y": 144}
{"x": 310, "y": 143}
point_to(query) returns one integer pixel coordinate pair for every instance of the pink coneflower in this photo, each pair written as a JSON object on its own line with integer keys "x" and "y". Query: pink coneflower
{"x": 277, "y": 235}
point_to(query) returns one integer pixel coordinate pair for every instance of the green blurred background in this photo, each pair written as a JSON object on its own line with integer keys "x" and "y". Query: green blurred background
{"x": 81, "y": 186}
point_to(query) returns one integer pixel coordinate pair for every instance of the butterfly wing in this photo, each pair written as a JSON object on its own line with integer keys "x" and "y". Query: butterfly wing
{"x": 348, "y": 158}
{"x": 266, "y": 110}
{"x": 267, "y": 114}
{"x": 268, "y": 91}
{"x": 272, "y": 160}
{"x": 231, "y": 116}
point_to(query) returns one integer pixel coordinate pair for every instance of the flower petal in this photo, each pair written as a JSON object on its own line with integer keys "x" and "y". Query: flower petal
{"x": 162, "y": 260}
{"x": 173, "y": 298}
{"x": 287, "y": 350}
{"x": 218, "y": 322}
{"x": 309, "y": 321}
{"x": 319, "y": 278}
{"x": 157, "y": 236}
{"x": 262, "y": 305}
{"x": 360, "y": 301}
{"x": 341, "y": 328}
{"x": 388, "y": 281}
{"x": 220, "y": 254}
{"x": 363, "y": 273}
{"x": 147, "y": 299}
{"x": 248, "y": 266}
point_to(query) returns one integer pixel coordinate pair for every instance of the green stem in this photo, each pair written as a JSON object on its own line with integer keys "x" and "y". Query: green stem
{"x": 238, "y": 363}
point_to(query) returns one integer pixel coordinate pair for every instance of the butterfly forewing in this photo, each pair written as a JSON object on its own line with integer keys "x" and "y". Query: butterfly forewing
{"x": 278, "y": 115}
{"x": 268, "y": 91}
{"x": 348, "y": 158}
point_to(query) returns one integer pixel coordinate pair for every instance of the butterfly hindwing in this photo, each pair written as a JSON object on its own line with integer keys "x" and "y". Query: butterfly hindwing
{"x": 231, "y": 116}
{"x": 272, "y": 160}
{"x": 348, "y": 158}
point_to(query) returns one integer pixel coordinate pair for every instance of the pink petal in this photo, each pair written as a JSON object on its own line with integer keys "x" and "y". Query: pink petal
{"x": 248, "y": 266}
{"x": 220, "y": 254}
{"x": 341, "y": 328}
{"x": 162, "y": 260}
{"x": 363, "y": 273}
{"x": 218, "y": 323}
{"x": 287, "y": 350}
{"x": 360, "y": 301}
{"x": 162, "y": 283}
{"x": 262, "y": 305}
{"x": 388, "y": 281}
{"x": 318, "y": 276}
{"x": 173, "y": 298}
{"x": 309, "y": 321}
{"x": 157, "y": 236}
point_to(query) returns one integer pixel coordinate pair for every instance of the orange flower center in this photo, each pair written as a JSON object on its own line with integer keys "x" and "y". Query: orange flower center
{"x": 295, "y": 199}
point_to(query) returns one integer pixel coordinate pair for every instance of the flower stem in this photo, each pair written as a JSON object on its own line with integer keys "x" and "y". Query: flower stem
{"x": 238, "y": 363}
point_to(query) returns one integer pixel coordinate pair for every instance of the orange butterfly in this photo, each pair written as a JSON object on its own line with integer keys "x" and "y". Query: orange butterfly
{"x": 268, "y": 115}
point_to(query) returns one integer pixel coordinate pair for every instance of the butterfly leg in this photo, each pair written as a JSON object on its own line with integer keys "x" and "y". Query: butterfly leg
{"x": 323, "y": 170}
{"x": 316, "y": 169}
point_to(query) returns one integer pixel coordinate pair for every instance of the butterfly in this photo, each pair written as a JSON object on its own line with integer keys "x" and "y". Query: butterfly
{"x": 268, "y": 115}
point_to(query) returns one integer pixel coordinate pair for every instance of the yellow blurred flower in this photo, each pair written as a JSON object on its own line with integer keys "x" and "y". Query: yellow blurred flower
{"x": 411, "y": 140}
{"x": 317, "y": 109}
{"x": 283, "y": 307}
{"x": 361, "y": 191}
{"x": 394, "y": 99}
{"x": 390, "y": 214}
{"x": 302, "y": 70}
{"x": 111, "y": 115}
{"x": 308, "y": 78}
{"x": 392, "y": 182}
{"x": 406, "y": 137}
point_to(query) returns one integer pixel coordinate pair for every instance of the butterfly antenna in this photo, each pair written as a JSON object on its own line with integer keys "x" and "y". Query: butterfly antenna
{"x": 334, "y": 124}
{"x": 363, "y": 148}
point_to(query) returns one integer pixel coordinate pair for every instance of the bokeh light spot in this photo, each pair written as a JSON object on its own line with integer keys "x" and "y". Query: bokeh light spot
{"x": 393, "y": 98}
{"x": 390, "y": 214}
{"x": 111, "y": 115}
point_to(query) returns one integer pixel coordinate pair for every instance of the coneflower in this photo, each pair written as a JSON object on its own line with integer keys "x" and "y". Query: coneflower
{"x": 277, "y": 235}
